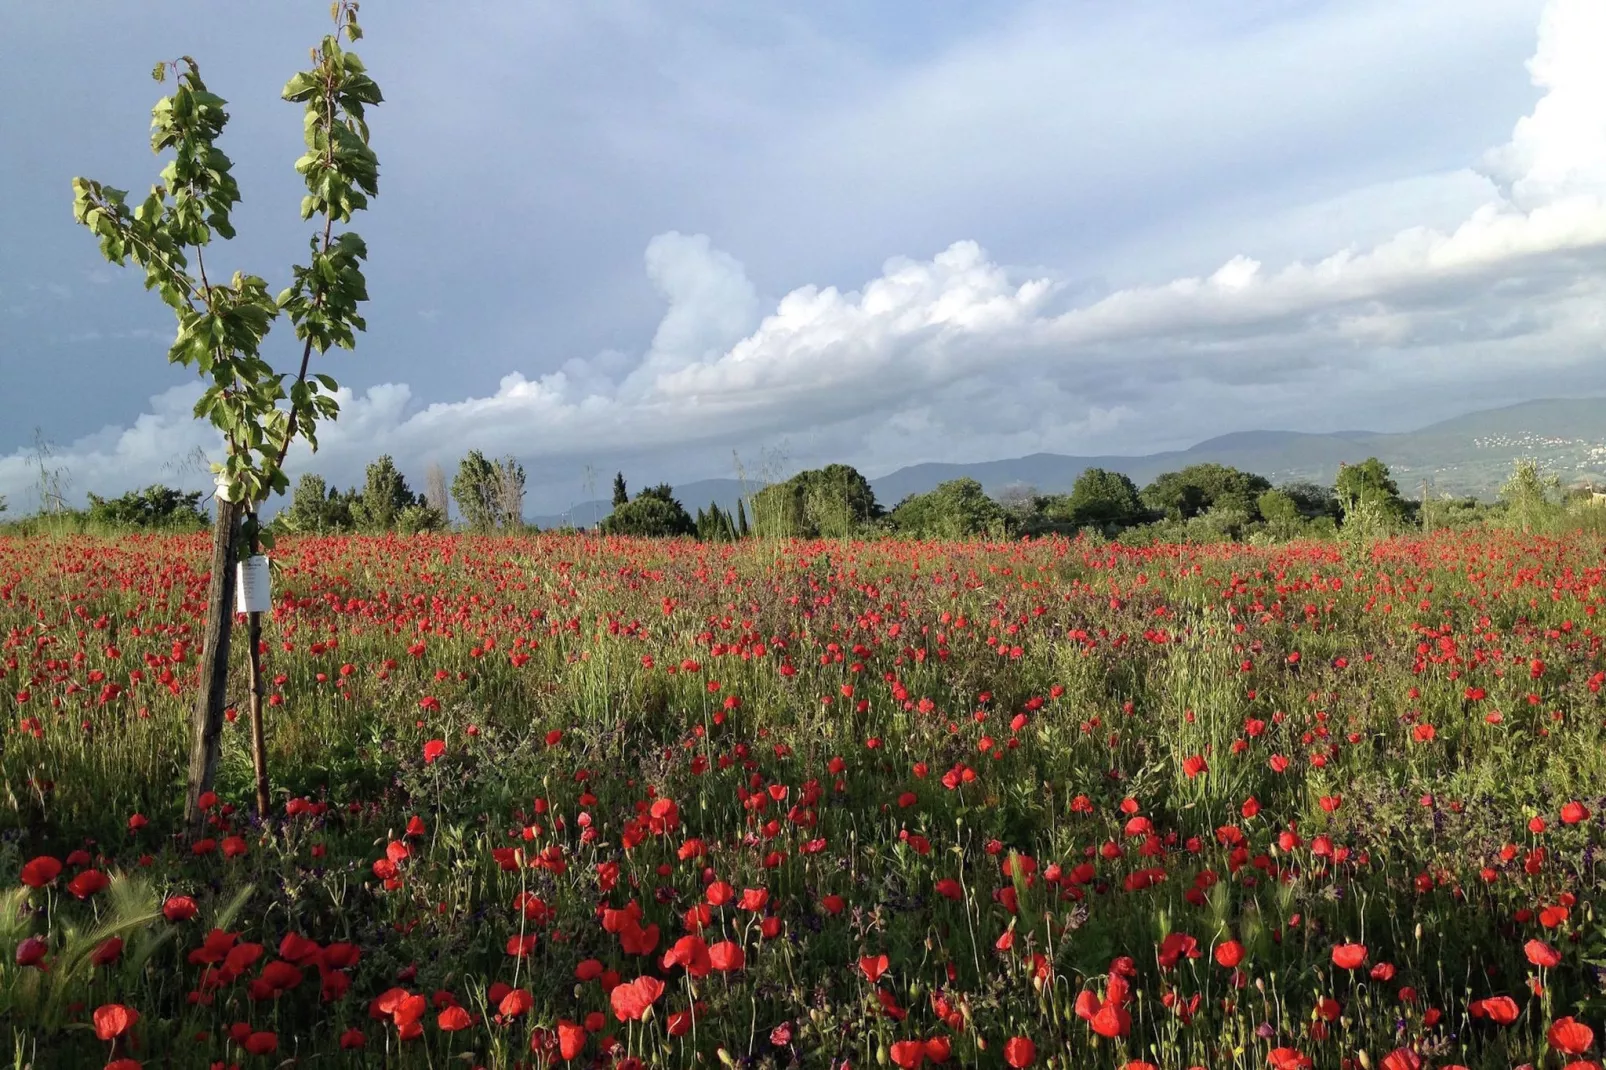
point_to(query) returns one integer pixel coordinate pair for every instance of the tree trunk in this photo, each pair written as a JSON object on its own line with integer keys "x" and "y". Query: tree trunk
{"x": 206, "y": 721}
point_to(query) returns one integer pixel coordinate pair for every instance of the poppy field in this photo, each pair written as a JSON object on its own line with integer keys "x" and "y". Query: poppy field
{"x": 573, "y": 801}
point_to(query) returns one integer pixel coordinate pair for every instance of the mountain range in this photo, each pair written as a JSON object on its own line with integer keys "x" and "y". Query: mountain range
{"x": 1465, "y": 455}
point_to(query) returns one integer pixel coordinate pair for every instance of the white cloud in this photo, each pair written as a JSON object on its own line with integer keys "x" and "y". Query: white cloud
{"x": 958, "y": 357}
{"x": 1559, "y": 151}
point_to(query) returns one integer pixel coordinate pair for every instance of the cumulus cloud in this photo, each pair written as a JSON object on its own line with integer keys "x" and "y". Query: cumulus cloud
{"x": 958, "y": 357}
{"x": 1559, "y": 151}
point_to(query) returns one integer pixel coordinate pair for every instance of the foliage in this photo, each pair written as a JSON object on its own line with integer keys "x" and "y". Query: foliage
{"x": 489, "y": 494}
{"x": 156, "y": 506}
{"x": 221, "y": 325}
{"x": 384, "y": 495}
{"x": 420, "y": 517}
{"x": 1189, "y": 492}
{"x": 1102, "y": 499}
{"x": 475, "y": 491}
{"x": 316, "y": 508}
{"x": 1278, "y": 507}
{"x": 1530, "y": 496}
{"x": 652, "y": 513}
{"x": 1447, "y": 512}
{"x": 620, "y": 494}
{"x": 957, "y": 509}
{"x": 831, "y": 502}
{"x": 1313, "y": 501}
{"x": 715, "y": 525}
{"x": 1367, "y": 493}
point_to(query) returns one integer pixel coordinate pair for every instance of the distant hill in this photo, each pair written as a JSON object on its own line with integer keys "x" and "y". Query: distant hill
{"x": 1469, "y": 454}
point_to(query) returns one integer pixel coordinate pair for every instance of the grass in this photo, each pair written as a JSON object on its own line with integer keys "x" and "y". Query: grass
{"x": 1015, "y": 769}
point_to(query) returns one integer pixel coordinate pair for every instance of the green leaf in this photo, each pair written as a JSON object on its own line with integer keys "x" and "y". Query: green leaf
{"x": 300, "y": 88}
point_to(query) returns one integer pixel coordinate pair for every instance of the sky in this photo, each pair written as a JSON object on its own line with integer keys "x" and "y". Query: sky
{"x": 678, "y": 237}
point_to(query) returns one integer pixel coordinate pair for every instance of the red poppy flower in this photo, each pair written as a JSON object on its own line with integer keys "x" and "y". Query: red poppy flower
{"x": 726, "y": 956}
{"x": 1020, "y": 1052}
{"x": 179, "y": 908}
{"x": 1570, "y": 1036}
{"x": 113, "y": 1020}
{"x": 453, "y": 1019}
{"x": 108, "y": 952}
{"x": 1502, "y": 1010}
{"x": 873, "y": 966}
{"x": 571, "y": 1039}
{"x": 41, "y": 871}
{"x": 1349, "y": 956}
{"x": 631, "y": 1001}
{"x": 32, "y": 951}
{"x": 262, "y": 1043}
{"x": 690, "y": 952}
{"x": 1542, "y": 954}
{"x": 908, "y": 1054}
{"x": 515, "y": 1003}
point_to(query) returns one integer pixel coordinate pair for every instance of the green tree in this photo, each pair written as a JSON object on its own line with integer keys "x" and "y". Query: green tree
{"x": 837, "y": 500}
{"x": 222, "y": 324}
{"x": 957, "y": 509}
{"x": 419, "y": 517}
{"x": 1530, "y": 495}
{"x": 620, "y": 495}
{"x": 1312, "y": 500}
{"x": 715, "y": 524}
{"x": 1281, "y": 513}
{"x": 1103, "y": 499}
{"x": 1187, "y": 493}
{"x": 653, "y": 513}
{"x": 742, "y": 531}
{"x": 831, "y": 502}
{"x": 156, "y": 506}
{"x": 778, "y": 511}
{"x": 305, "y": 512}
{"x": 316, "y": 508}
{"x": 477, "y": 491}
{"x": 1367, "y": 491}
{"x": 384, "y": 495}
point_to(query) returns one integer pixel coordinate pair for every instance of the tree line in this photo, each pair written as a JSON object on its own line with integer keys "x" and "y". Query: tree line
{"x": 1200, "y": 503}
{"x": 489, "y": 495}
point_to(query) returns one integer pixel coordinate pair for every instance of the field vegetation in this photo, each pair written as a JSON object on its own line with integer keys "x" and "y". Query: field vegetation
{"x": 547, "y": 799}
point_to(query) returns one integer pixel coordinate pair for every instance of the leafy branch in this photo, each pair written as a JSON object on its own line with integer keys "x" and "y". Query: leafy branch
{"x": 221, "y": 326}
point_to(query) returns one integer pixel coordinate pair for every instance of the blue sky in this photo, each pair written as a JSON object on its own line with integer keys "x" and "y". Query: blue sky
{"x": 642, "y": 235}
